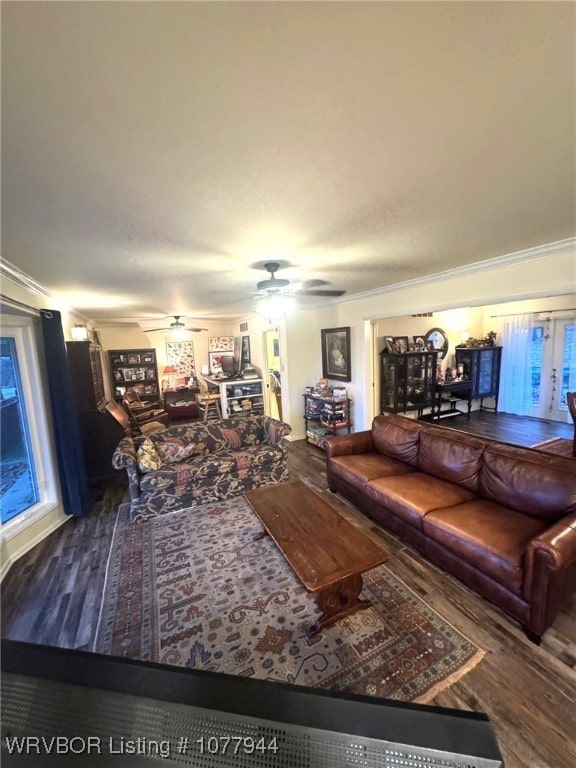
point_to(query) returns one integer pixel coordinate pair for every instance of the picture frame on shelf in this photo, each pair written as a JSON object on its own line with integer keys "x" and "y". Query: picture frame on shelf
{"x": 336, "y": 362}
{"x": 389, "y": 343}
{"x": 401, "y": 343}
{"x": 215, "y": 361}
{"x": 419, "y": 343}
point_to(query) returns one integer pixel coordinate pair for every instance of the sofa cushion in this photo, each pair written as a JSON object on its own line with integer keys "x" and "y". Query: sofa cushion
{"x": 484, "y": 533}
{"x": 413, "y": 495}
{"x": 358, "y": 468}
{"x": 204, "y": 469}
{"x": 452, "y": 456}
{"x": 529, "y": 481}
{"x": 147, "y": 457}
{"x": 397, "y": 438}
{"x": 244, "y": 431}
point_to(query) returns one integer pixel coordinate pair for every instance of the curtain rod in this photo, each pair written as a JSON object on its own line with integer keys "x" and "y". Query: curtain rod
{"x": 18, "y": 304}
{"x": 538, "y": 312}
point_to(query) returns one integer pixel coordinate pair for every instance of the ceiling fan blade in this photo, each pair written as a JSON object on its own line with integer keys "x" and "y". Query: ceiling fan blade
{"x": 196, "y": 330}
{"x": 151, "y": 330}
{"x": 314, "y": 283}
{"x": 320, "y": 292}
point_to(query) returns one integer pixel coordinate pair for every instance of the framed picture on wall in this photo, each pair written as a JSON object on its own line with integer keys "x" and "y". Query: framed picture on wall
{"x": 336, "y": 354}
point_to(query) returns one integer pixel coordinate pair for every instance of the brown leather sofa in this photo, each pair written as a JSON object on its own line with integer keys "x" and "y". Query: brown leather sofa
{"x": 501, "y": 518}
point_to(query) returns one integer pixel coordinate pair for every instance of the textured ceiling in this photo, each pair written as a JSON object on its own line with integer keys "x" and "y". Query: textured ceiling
{"x": 154, "y": 153}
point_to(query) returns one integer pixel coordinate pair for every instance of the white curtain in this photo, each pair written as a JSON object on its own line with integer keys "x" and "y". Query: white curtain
{"x": 515, "y": 395}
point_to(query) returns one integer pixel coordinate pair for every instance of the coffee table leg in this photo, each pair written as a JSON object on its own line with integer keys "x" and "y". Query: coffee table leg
{"x": 337, "y": 602}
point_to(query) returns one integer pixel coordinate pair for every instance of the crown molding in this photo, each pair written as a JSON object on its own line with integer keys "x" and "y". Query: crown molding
{"x": 10, "y": 272}
{"x": 530, "y": 254}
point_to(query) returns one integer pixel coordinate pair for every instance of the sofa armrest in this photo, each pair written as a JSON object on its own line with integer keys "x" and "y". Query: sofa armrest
{"x": 124, "y": 457}
{"x": 552, "y": 551}
{"x": 275, "y": 430}
{"x": 557, "y": 545}
{"x": 344, "y": 445}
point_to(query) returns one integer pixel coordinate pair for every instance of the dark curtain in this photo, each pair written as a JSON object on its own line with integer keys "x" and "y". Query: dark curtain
{"x": 76, "y": 495}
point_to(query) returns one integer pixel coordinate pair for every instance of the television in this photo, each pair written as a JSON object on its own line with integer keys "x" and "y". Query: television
{"x": 228, "y": 364}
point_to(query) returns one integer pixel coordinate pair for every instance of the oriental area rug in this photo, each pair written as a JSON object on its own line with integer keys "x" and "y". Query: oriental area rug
{"x": 193, "y": 589}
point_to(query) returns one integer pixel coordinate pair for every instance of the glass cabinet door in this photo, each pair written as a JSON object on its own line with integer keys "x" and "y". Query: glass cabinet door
{"x": 407, "y": 380}
{"x": 485, "y": 373}
{"x": 389, "y": 382}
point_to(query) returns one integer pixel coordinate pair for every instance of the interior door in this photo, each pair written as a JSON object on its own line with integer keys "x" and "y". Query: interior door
{"x": 271, "y": 374}
{"x": 553, "y": 368}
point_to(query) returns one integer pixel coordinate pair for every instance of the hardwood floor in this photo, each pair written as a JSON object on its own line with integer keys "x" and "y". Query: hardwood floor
{"x": 52, "y": 596}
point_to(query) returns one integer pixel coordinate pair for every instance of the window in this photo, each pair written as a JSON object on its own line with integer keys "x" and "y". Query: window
{"x": 28, "y": 487}
{"x": 19, "y": 489}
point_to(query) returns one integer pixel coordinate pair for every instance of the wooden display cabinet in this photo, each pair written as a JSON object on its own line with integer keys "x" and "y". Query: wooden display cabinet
{"x": 407, "y": 381}
{"x": 482, "y": 366}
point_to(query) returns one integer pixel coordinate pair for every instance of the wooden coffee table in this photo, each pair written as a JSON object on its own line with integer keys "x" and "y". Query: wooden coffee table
{"x": 327, "y": 553}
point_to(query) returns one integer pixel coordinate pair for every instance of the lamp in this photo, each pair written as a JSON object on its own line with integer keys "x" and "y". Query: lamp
{"x": 79, "y": 332}
{"x": 274, "y": 306}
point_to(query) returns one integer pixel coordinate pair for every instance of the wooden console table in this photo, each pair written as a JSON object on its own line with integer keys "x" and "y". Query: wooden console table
{"x": 452, "y": 391}
{"x": 326, "y": 552}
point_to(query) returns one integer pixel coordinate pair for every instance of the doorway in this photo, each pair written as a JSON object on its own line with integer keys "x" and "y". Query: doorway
{"x": 272, "y": 374}
{"x": 553, "y": 367}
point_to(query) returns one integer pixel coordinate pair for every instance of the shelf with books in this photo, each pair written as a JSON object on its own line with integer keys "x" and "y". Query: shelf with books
{"x": 325, "y": 415}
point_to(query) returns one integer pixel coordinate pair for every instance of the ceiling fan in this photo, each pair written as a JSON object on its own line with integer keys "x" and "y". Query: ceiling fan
{"x": 176, "y": 326}
{"x": 274, "y": 285}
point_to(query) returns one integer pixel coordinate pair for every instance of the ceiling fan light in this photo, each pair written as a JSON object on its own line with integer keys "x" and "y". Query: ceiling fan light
{"x": 275, "y": 306}
{"x": 179, "y": 333}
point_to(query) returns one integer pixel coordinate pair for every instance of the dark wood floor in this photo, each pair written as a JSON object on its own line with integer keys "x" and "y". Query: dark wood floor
{"x": 52, "y": 596}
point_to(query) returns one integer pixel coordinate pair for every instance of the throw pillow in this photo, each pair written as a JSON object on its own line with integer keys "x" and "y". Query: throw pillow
{"x": 172, "y": 453}
{"x": 147, "y": 457}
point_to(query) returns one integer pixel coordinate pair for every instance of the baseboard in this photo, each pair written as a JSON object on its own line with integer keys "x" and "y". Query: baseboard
{"x": 22, "y": 541}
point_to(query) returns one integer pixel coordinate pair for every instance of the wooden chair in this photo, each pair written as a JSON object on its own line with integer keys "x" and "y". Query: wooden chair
{"x": 129, "y": 425}
{"x": 142, "y": 414}
{"x": 571, "y": 402}
{"x": 208, "y": 402}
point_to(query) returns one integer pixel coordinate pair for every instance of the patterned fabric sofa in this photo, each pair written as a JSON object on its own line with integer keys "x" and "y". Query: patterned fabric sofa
{"x": 193, "y": 464}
